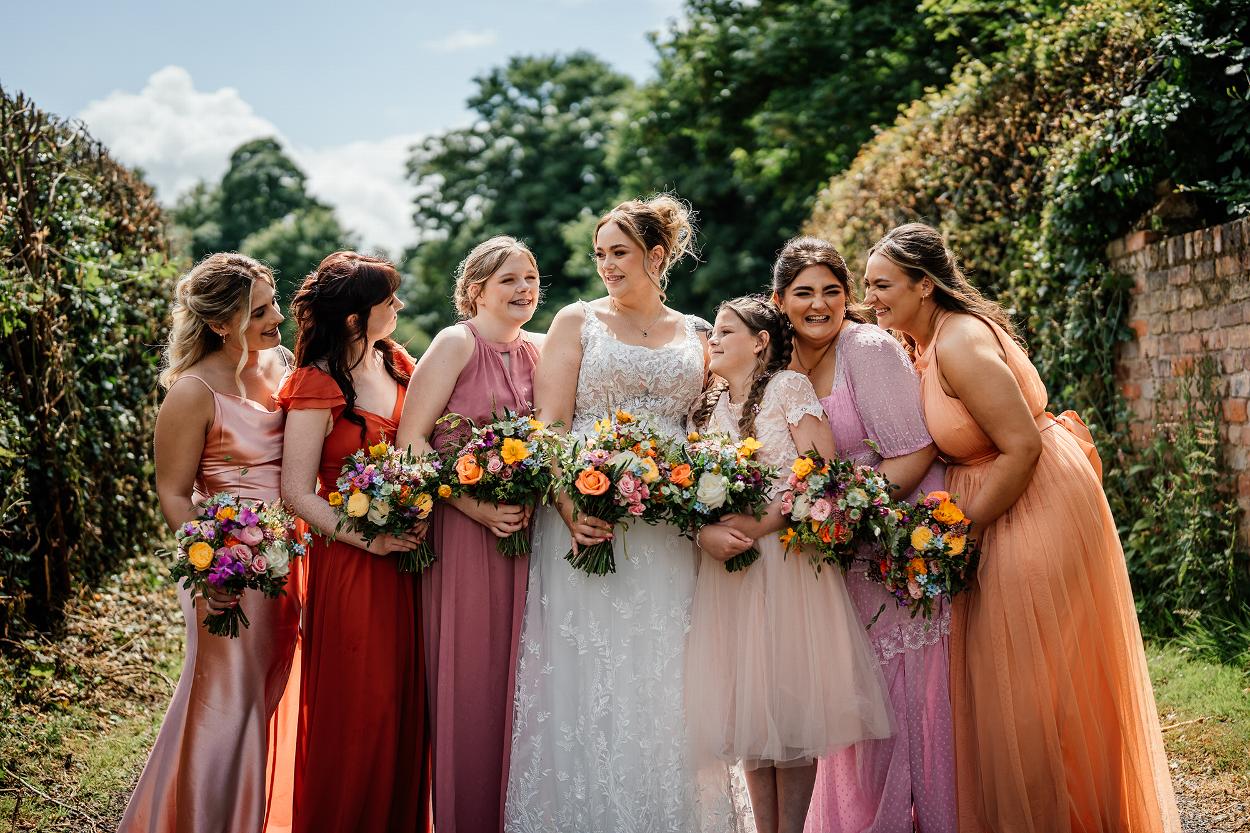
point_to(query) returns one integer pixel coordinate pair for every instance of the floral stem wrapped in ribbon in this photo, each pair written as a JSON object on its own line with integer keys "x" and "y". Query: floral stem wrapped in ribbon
{"x": 236, "y": 545}
{"x": 932, "y": 558}
{"x": 508, "y": 460}
{"x": 613, "y": 475}
{"x": 716, "y": 475}
{"x": 835, "y": 507}
{"x": 382, "y": 490}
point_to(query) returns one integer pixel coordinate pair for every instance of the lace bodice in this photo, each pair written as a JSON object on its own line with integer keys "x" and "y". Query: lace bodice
{"x": 788, "y": 398}
{"x": 660, "y": 383}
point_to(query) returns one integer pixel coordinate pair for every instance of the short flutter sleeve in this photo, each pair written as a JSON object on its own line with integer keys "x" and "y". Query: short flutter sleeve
{"x": 311, "y": 388}
{"x": 403, "y": 360}
{"x": 791, "y": 395}
{"x": 886, "y": 391}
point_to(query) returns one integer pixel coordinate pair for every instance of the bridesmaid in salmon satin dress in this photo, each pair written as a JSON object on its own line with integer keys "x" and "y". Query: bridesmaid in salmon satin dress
{"x": 361, "y": 758}
{"x": 1055, "y": 722}
{"x": 473, "y": 598}
{"x": 223, "y": 760}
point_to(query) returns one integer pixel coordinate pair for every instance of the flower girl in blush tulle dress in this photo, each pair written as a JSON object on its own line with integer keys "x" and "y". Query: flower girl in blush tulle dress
{"x": 779, "y": 671}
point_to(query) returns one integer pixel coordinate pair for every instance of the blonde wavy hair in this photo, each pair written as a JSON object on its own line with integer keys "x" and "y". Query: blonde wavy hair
{"x": 662, "y": 220}
{"x": 477, "y": 267}
{"x": 213, "y": 292}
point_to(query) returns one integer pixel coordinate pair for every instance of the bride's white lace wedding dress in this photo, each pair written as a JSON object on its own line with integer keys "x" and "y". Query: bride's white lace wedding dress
{"x": 599, "y": 740}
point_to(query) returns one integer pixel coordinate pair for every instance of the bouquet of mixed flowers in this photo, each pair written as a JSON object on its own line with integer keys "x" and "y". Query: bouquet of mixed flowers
{"x": 835, "y": 506}
{"x": 236, "y": 545}
{"x": 612, "y": 476}
{"x": 382, "y": 490}
{"x": 509, "y": 461}
{"x": 717, "y": 475}
{"x": 932, "y": 557}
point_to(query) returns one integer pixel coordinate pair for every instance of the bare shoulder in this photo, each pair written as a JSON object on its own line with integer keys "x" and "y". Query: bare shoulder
{"x": 535, "y": 339}
{"x": 452, "y": 342}
{"x": 967, "y": 334}
{"x": 567, "y": 324}
{"x": 188, "y": 399}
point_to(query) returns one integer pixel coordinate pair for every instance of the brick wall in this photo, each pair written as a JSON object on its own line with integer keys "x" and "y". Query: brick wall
{"x": 1191, "y": 297}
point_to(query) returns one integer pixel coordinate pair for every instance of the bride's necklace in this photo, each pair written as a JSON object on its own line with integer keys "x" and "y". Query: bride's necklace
{"x": 644, "y": 330}
{"x": 807, "y": 371}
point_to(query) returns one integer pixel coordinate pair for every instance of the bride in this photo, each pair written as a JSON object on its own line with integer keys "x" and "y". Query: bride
{"x": 599, "y": 739}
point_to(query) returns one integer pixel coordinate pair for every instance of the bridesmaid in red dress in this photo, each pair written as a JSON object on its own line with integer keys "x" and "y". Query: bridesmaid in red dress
{"x": 472, "y": 598}
{"x": 362, "y": 750}
{"x": 223, "y": 758}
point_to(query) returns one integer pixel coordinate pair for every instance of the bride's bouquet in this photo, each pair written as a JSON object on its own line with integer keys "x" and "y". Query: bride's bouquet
{"x": 509, "y": 461}
{"x": 932, "y": 558}
{"x": 382, "y": 490}
{"x": 715, "y": 475}
{"x": 235, "y": 545}
{"x": 834, "y": 507}
{"x": 612, "y": 475}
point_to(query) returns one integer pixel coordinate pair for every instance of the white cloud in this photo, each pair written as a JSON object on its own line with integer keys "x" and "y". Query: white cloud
{"x": 463, "y": 39}
{"x": 180, "y": 135}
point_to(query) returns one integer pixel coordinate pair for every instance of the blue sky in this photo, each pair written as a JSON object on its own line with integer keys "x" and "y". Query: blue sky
{"x": 173, "y": 87}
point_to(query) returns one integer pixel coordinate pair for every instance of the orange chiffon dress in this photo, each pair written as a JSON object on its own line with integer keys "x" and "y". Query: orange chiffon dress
{"x": 1054, "y": 716}
{"x": 363, "y": 749}
{"x": 223, "y": 761}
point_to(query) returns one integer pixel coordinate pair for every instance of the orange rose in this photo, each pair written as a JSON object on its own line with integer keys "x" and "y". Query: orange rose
{"x": 948, "y": 513}
{"x": 681, "y": 475}
{"x": 938, "y": 496}
{"x": 592, "y": 482}
{"x": 468, "y": 470}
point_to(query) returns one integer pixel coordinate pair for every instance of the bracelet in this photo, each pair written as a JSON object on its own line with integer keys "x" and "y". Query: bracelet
{"x": 697, "y": 533}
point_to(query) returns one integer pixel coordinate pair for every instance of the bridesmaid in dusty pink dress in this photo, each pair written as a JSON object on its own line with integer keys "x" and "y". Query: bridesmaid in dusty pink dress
{"x": 871, "y": 395}
{"x": 223, "y": 761}
{"x": 473, "y": 598}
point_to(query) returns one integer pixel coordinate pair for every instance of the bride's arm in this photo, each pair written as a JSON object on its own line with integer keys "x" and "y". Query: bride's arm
{"x": 555, "y": 392}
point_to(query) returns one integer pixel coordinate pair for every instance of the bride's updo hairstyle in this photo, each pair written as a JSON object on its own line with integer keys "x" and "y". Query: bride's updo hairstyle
{"x": 479, "y": 265}
{"x": 213, "y": 292}
{"x": 662, "y": 220}
{"x": 760, "y": 315}
{"x": 345, "y": 284}
{"x": 802, "y": 252}
{"x": 921, "y": 251}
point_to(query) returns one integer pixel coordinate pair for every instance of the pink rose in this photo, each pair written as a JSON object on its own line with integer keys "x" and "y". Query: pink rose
{"x": 636, "y": 509}
{"x": 494, "y": 465}
{"x": 801, "y": 487}
{"x": 250, "y": 535}
{"x": 259, "y": 564}
{"x": 506, "y": 474}
{"x": 241, "y": 553}
{"x": 787, "y": 503}
{"x": 628, "y": 485}
{"x": 821, "y": 509}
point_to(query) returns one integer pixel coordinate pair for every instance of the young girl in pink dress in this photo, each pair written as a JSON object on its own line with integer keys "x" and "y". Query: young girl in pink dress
{"x": 472, "y": 598}
{"x": 779, "y": 671}
{"x": 871, "y": 395}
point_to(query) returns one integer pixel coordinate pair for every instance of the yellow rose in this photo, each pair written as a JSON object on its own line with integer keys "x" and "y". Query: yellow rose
{"x": 535, "y": 425}
{"x": 225, "y": 513}
{"x": 802, "y": 467}
{"x": 956, "y": 543}
{"x": 514, "y": 451}
{"x": 200, "y": 555}
{"x": 748, "y": 447}
{"x": 947, "y": 513}
{"x": 692, "y": 437}
{"x": 335, "y": 499}
{"x": 424, "y": 504}
{"x": 358, "y": 504}
{"x": 444, "y": 491}
{"x": 378, "y": 450}
{"x": 920, "y": 537}
{"x": 624, "y": 417}
{"x": 651, "y": 471}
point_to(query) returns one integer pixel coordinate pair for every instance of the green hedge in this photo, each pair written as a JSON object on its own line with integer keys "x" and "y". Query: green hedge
{"x": 85, "y": 285}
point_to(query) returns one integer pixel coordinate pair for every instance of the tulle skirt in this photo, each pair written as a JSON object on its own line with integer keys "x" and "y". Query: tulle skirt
{"x": 779, "y": 671}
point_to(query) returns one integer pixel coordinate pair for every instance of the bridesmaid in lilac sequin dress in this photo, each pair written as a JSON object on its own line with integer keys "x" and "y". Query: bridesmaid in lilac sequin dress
{"x": 872, "y": 398}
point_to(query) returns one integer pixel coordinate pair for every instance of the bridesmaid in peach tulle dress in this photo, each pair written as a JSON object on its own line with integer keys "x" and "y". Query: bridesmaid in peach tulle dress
{"x": 1055, "y": 722}
{"x": 224, "y": 758}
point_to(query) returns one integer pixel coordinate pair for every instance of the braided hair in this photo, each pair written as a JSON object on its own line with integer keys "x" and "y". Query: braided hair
{"x": 760, "y": 316}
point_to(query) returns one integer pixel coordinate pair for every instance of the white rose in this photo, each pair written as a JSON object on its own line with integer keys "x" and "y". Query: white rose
{"x": 627, "y": 460}
{"x": 802, "y": 508}
{"x": 279, "y": 558}
{"x": 379, "y": 510}
{"x": 712, "y": 490}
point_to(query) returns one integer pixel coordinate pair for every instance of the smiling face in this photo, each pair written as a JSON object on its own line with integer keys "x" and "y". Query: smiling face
{"x": 263, "y": 318}
{"x": 734, "y": 350}
{"x": 815, "y": 302}
{"x": 621, "y": 262}
{"x": 893, "y": 295}
{"x": 511, "y": 293}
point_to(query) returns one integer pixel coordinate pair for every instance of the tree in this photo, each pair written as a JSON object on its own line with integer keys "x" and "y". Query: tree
{"x": 533, "y": 162}
{"x": 757, "y": 105}
{"x": 261, "y": 185}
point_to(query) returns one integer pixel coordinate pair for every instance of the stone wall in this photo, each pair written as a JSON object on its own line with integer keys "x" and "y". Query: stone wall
{"x": 1190, "y": 298}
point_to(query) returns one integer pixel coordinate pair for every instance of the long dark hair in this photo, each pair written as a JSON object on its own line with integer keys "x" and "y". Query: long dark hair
{"x": 345, "y": 284}
{"x": 760, "y": 316}
{"x": 802, "y": 252}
